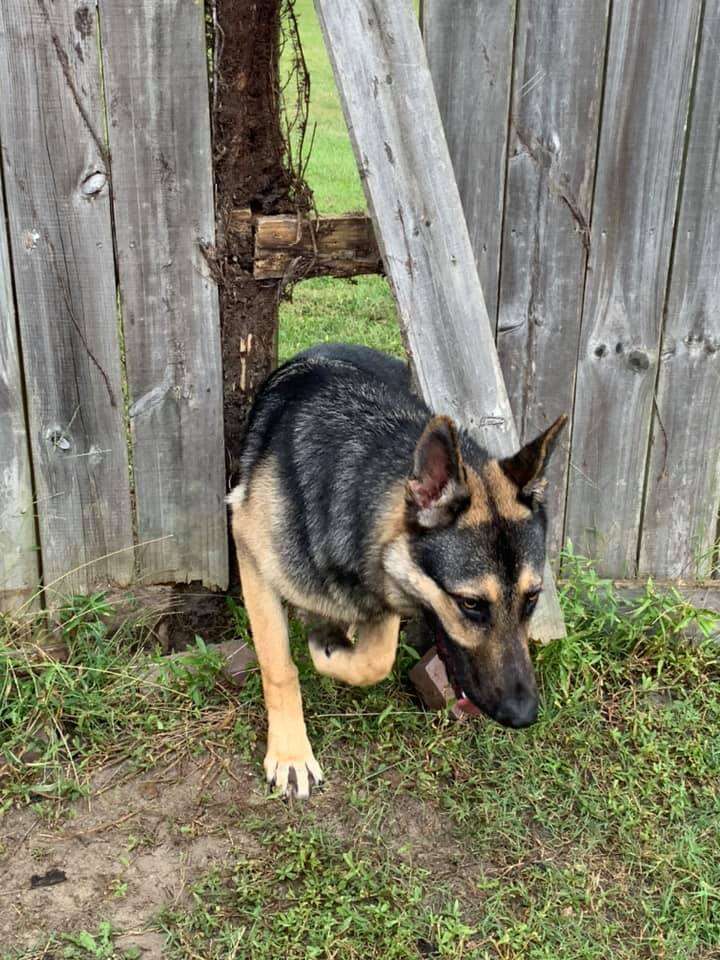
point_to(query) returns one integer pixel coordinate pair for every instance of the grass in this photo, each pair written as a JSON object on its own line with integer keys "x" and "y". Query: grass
{"x": 82, "y": 945}
{"x": 593, "y": 834}
{"x": 313, "y": 895}
{"x": 325, "y": 310}
{"x": 114, "y": 698}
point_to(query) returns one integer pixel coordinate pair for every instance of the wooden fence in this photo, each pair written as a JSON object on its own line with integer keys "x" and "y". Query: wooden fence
{"x": 117, "y": 437}
{"x": 586, "y": 142}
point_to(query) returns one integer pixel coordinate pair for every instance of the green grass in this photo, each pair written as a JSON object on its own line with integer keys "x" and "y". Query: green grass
{"x": 313, "y": 895}
{"x": 325, "y": 310}
{"x": 113, "y": 698}
{"x": 592, "y": 834}
{"x": 82, "y": 945}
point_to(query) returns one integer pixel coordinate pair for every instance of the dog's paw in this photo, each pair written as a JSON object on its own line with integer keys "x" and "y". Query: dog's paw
{"x": 293, "y": 775}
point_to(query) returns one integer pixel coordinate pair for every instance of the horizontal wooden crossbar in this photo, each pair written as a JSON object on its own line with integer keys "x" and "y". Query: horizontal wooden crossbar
{"x": 292, "y": 248}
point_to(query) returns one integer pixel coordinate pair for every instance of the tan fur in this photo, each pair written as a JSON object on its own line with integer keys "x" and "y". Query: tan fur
{"x": 503, "y": 492}
{"x": 528, "y": 580}
{"x": 479, "y": 510}
{"x": 488, "y": 587}
{"x": 408, "y": 579}
{"x": 288, "y": 746}
{"x": 369, "y": 661}
{"x": 255, "y": 520}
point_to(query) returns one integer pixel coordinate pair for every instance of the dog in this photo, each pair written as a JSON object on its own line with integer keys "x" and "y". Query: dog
{"x": 359, "y": 505}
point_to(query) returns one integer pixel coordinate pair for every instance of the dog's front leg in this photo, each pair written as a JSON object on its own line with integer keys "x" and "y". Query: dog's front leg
{"x": 289, "y": 761}
{"x": 365, "y": 662}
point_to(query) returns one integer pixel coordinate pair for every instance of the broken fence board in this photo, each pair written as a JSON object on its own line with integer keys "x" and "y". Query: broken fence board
{"x": 683, "y": 488}
{"x": 19, "y": 572}
{"x": 650, "y": 58}
{"x": 156, "y": 67}
{"x": 286, "y": 246}
{"x": 57, "y": 196}
{"x": 470, "y": 53}
{"x": 557, "y": 91}
{"x": 384, "y": 82}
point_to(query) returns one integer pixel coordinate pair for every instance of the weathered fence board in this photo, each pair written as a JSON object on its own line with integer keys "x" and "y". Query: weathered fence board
{"x": 386, "y": 90}
{"x": 54, "y": 158}
{"x": 651, "y": 52}
{"x": 683, "y": 492}
{"x": 156, "y": 67}
{"x": 19, "y": 573}
{"x": 557, "y": 91}
{"x": 469, "y": 49}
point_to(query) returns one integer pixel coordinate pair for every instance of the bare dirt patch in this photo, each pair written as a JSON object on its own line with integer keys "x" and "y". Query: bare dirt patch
{"x": 126, "y": 852}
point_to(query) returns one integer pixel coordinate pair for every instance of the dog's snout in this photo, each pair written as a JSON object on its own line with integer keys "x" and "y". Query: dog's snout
{"x": 520, "y": 709}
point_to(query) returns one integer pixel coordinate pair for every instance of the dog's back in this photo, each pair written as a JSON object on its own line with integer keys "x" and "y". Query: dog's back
{"x": 336, "y": 427}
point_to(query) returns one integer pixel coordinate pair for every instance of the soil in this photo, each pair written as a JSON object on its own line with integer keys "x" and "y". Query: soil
{"x": 138, "y": 843}
{"x": 154, "y": 833}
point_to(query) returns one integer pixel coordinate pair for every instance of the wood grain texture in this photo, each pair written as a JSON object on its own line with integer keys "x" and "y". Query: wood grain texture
{"x": 683, "y": 488}
{"x": 555, "y": 111}
{"x": 156, "y": 72}
{"x": 324, "y": 246}
{"x": 19, "y": 572}
{"x": 384, "y": 82}
{"x": 470, "y": 51}
{"x": 56, "y": 178}
{"x": 650, "y": 58}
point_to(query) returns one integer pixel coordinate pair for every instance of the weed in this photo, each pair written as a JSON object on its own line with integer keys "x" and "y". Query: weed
{"x": 112, "y": 699}
{"x": 79, "y": 946}
{"x": 320, "y": 898}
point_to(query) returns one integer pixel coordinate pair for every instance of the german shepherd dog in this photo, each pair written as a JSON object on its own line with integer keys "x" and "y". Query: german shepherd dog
{"x": 359, "y": 505}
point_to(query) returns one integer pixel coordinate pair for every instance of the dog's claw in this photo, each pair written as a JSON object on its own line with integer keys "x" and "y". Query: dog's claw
{"x": 294, "y": 779}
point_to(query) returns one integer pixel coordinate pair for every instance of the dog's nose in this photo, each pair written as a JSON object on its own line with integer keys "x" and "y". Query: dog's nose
{"x": 518, "y": 711}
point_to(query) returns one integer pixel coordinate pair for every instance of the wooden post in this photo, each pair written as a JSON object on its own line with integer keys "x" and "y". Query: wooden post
{"x": 382, "y": 74}
{"x": 249, "y": 172}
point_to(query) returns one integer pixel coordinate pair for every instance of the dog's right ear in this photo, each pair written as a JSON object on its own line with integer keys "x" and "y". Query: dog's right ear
{"x": 437, "y": 490}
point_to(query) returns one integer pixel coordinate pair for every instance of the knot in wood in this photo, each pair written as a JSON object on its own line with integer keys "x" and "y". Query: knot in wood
{"x": 93, "y": 183}
{"x": 638, "y": 361}
{"x": 58, "y": 438}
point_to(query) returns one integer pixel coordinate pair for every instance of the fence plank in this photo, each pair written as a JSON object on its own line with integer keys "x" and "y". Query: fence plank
{"x": 651, "y": 53}
{"x": 557, "y": 89}
{"x": 156, "y": 69}
{"x": 385, "y": 86}
{"x": 19, "y": 572}
{"x": 469, "y": 50}
{"x": 54, "y": 158}
{"x": 683, "y": 494}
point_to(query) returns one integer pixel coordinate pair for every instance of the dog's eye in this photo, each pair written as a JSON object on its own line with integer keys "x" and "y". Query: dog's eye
{"x": 475, "y": 608}
{"x": 530, "y": 603}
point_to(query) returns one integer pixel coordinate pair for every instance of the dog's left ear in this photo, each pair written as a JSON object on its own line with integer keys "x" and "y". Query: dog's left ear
{"x": 526, "y": 467}
{"x": 437, "y": 491}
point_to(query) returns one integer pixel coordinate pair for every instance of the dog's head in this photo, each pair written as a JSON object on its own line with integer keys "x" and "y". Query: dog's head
{"x": 472, "y": 555}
